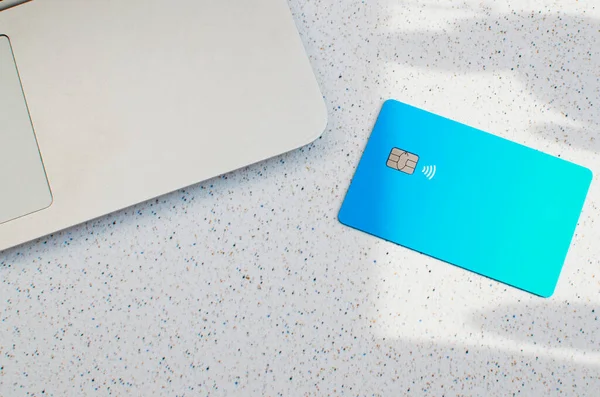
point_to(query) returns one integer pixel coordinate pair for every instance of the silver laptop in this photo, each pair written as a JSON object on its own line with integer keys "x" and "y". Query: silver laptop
{"x": 105, "y": 104}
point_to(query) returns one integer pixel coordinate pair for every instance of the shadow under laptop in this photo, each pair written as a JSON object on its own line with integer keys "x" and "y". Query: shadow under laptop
{"x": 262, "y": 178}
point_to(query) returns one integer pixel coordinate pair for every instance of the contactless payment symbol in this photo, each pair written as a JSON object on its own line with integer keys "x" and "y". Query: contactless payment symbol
{"x": 429, "y": 171}
{"x": 402, "y": 161}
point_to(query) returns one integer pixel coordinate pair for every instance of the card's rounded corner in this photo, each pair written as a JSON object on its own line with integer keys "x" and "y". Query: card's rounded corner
{"x": 340, "y": 217}
{"x": 590, "y": 174}
{"x": 388, "y": 102}
{"x": 548, "y": 293}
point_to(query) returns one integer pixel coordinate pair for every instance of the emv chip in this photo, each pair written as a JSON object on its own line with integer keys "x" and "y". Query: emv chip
{"x": 402, "y": 160}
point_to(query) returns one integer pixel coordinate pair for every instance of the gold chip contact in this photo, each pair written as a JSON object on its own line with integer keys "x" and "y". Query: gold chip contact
{"x": 403, "y": 161}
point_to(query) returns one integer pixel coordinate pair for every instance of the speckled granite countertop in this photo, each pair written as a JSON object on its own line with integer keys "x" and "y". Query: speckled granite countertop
{"x": 248, "y": 285}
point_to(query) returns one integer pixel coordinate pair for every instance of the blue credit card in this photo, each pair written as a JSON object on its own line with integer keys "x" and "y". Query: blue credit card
{"x": 467, "y": 197}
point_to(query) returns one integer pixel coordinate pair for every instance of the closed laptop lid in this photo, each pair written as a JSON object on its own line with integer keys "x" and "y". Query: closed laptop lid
{"x": 133, "y": 99}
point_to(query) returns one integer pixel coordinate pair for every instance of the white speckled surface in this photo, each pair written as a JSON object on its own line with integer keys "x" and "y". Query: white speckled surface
{"x": 248, "y": 285}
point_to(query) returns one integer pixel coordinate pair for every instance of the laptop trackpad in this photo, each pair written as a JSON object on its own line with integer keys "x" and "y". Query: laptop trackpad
{"x": 23, "y": 185}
